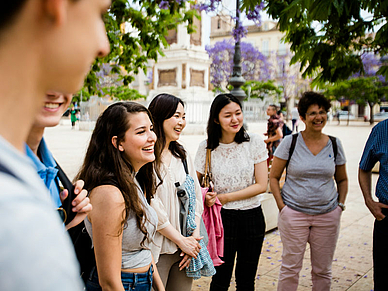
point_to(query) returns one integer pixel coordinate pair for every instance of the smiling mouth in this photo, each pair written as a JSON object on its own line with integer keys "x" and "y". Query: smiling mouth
{"x": 52, "y": 105}
{"x": 148, "y": 149}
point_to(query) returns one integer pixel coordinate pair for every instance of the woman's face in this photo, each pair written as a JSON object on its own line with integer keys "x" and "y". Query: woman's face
{"x": 139, "y": 140}
{"x": 316, "y": 118}
{"x": 231, "y": 118}
{"x": 173, "y": 126}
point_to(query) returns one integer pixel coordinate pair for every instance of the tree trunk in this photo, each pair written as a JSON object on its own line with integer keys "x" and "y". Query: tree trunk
{"x": 371, "y": 119}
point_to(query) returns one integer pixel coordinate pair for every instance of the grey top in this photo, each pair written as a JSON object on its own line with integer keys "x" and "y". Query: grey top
{"x": 133, "y": 254}
{"x": 309, "y": 187}
{"x": 35, "y": 250}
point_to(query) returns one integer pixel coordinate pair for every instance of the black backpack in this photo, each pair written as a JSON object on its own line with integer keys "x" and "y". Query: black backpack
{"x": 82, "y": 242}
{"x": 286, "y": 130}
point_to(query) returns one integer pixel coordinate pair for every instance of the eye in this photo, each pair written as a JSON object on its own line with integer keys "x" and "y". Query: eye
{"x": 140, "y": 132}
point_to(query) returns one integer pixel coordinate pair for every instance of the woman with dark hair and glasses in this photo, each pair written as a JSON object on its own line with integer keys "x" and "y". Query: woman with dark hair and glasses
{"x": 172, "y": 250}
{"x": 119, "y": 174}
{"x": 239, "y": 171}
{"x": 310, "y": 204}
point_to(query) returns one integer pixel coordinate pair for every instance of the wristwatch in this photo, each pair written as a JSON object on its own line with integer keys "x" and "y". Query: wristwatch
{"x": 343, "y": 207}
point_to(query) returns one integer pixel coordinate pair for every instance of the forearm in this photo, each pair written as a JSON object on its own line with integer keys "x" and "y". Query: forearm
{"x": 157, "y": 283}
{"x": 275, "y": 188}
{"x": 246, "y": 193}
{"x": 172, "y": 234}
{"x": 196, "y": 232}
{"x": 342, "y": 188}
{"x": 365, "y": 181}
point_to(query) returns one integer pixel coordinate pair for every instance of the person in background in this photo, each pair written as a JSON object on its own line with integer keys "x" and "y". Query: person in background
{"x": 295, "y": 118}
{"x": 274, "y": 131}
{"x": 310, "y": 205}
{"x": 44, "y": 45}
{"x": 239, "y": 173}
{"x": 376, "y": 150}
{"x": 173, "y": 251}
{"x": 55, "y": 104}
{"x": 119, "y": 174}
{"x": 73, "y": 117}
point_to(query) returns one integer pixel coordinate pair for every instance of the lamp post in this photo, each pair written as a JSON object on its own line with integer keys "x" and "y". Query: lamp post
{"x": 237, "y": 80}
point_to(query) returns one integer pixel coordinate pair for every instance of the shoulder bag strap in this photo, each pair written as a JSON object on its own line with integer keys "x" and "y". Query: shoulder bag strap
{"x": 335, "y": 146}
{"x": 292, "y": 148}
{"x": 185, "y": 166}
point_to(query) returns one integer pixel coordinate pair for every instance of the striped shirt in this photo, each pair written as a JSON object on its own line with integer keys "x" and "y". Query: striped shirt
{"x": 376, "y": 149}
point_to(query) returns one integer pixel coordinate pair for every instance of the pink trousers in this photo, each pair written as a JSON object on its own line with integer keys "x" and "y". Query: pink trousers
{"x": 321, "y": 232}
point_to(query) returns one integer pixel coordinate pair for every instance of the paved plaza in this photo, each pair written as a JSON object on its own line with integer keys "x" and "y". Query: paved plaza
{"x": 352, "y": 265}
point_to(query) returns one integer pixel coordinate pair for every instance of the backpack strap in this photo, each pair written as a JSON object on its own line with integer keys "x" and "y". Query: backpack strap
{"x": 335, "y": 146}
{"x": 292, "y": 148}
{"x": 5, "y": 170}
{"x": 185, "y": 166}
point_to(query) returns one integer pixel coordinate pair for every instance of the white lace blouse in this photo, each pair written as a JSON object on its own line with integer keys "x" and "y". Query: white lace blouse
{"x": 232, "y": 167}
{"x": 166, "y": 203}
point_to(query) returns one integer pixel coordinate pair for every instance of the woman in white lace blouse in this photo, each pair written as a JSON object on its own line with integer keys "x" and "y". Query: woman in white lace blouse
{"x": 239, "y": 169}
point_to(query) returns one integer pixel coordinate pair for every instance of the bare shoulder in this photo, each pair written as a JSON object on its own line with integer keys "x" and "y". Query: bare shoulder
{"x": 106, "y": 194}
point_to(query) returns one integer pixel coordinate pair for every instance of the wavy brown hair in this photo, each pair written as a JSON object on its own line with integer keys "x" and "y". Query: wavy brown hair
{"x": 104, "y": 162}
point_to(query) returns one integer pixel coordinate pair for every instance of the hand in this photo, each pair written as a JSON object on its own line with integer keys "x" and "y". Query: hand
{"x": 190, "y": 245}
{"x": 281, "y": 207}
{"x": 210, "y": 198}
{"x": 266, "y": 141}
{"x": 185, "y": 262}
{"x": 375, "y": 208}
{"x": 81, "y": 203}
{"x": 223, "y": 198}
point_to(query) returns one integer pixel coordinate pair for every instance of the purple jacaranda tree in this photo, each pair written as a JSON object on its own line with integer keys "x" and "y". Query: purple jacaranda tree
{"x": 255, "y": 66}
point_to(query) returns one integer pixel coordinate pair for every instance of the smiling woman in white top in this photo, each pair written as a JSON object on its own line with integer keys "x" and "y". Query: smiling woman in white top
{"x": 239, "y": 170}
{"x": 172, "y": 250}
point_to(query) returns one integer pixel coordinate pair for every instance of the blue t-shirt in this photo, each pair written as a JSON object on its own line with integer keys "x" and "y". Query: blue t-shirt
{"x": 47, "y": 170}
{"x": 376, "y": 149}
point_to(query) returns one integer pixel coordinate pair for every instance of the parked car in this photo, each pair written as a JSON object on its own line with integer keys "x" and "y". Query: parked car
{"x": 380, "y": 116}
{"x": 344, "y": 115}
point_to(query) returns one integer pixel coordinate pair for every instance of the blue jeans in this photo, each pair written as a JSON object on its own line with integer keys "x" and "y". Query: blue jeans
{"x": 131, "y": 281}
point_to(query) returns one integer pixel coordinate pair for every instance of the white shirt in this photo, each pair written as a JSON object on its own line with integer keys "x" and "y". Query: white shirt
{"x": 167, "y": 206}
{"x": 35, "y": 251}
{"x": 232, "y": 168}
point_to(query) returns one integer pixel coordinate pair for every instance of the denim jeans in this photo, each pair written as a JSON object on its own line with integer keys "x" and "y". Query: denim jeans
{"x": 380, "y": 255}
{"x": 243, "y": 236}
{"x": 131, "y": 281}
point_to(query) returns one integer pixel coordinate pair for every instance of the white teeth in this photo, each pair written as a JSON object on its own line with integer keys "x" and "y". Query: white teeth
{"x": 52, "y": 105}
{"x": 148, "y": 149}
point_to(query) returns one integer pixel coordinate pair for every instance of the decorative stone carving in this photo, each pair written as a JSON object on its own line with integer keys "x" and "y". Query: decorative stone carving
{"x": 183, "y": 76}
{"x": 167, "y": 78}
{"x": 196, "y": 38}
{"x": 172, "y": 36}
{"x": 197, "y": 78}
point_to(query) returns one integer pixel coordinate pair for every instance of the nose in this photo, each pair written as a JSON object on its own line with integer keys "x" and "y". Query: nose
{"x": 152, "y": 136}
{"x": 104, "y": 47}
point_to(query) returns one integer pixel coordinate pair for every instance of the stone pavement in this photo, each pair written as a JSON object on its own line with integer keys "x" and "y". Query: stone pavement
{"x": 352, "y": 265}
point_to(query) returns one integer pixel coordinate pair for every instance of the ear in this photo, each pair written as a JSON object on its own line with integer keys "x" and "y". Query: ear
{"x": 114, "y": 142}
{"x": 56, "y": 10}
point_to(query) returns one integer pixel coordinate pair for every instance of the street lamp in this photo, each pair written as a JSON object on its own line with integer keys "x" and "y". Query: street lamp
{"x": 237, "y": 80}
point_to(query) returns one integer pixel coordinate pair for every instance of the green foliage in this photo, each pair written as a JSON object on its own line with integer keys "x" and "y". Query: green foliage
{"x": 136, "y": 31}
{"x": 82, "y": 95}
{"x": 123, "y": 93}
{"x": 328, "y": 37}
{"x": 363, "y": 90}
{"x": 261, "y": 89}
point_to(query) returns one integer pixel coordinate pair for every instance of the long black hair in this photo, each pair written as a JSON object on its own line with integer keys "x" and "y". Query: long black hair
{"x": 214, "y": 132}
{"x": 105, "y": 162}
{"x": 163, "y": 107}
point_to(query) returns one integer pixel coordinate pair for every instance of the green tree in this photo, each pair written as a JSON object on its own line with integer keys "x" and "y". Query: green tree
{"x": 328, "y": 37}
{"x": 123, "y": 93}
{"x": 363, "y": 90}
{"x": 137, "y": 32}
{"x": 261, "y": 89}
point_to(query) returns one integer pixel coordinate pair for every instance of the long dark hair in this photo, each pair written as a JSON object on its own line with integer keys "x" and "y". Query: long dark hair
{"x": 214, "y": 132}
{"x": 104, "y": 162}
{"x": 163, "y": 107}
